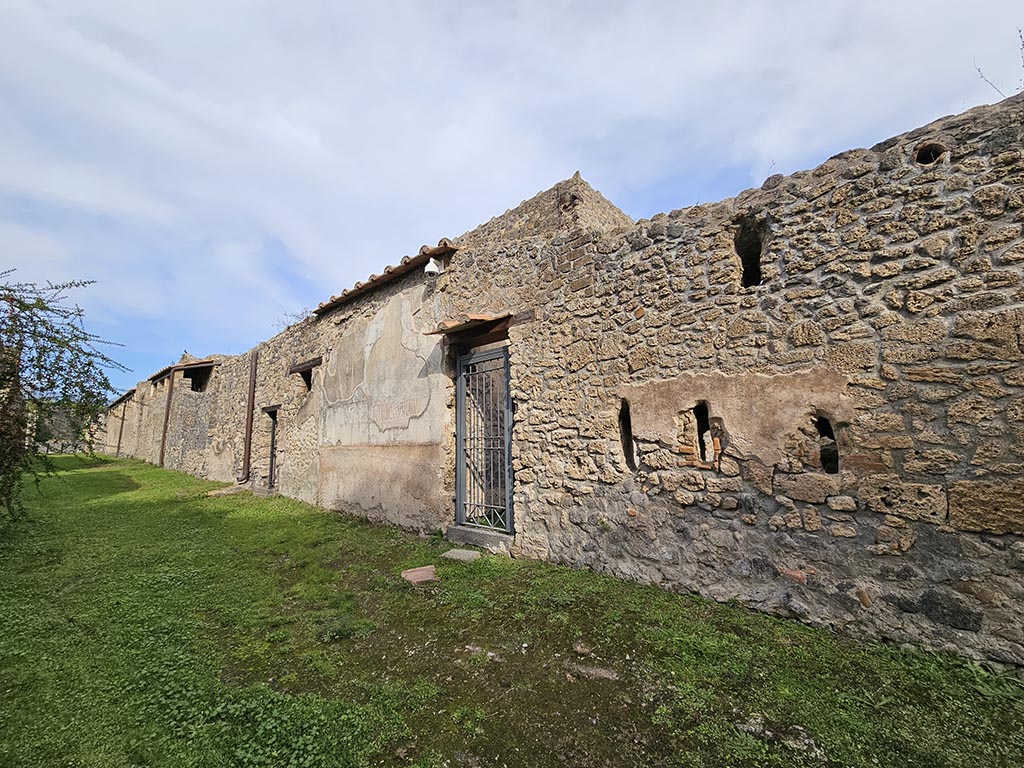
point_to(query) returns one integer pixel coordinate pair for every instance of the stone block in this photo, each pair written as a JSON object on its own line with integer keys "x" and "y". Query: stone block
{"x": 812, "y": 519}
{"x": 1001, "y": 327}
{"x": 917, "y": 332}
{"x": 419, "y": 575}
{"x": 890, "y": 495}
{"x": 842, "y": 503}
{"x": 853, "y": 357}
{"x": 806, "y": 333}
{"x": 496, "y": 542}
{"x": 931, "y": 462}
{"x": 812, "y": 487}
{"x": 987, "y": 505}
{"x": 758, "y": 475}
{"x": 462, "y": 555}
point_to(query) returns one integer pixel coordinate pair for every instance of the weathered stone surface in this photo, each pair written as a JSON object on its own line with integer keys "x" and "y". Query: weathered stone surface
{"x": 931, "y": 462}
{"x": 842, "y": 503}
{"x": 943, "y": 608}
{"x": 843, "y": 529}
{"x": 997, "y": 506}
{"x": 808, "y": 486}
{"x": 734, "y": 398}
{"x": 891, "y": 495}
{"x": 462, "y": 555}
{"x": 419, "y": 575}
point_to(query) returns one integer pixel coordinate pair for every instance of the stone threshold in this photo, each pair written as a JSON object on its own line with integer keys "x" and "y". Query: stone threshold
{"x": 496, "y": 542}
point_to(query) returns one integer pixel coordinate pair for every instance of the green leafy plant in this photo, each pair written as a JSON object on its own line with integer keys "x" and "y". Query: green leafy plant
{"x": 53, "y": 382}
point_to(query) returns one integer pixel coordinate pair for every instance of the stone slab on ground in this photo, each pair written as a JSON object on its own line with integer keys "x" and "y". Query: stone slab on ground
{"x": 419, "y": 575}
{"x": 463, "y": 555}
{"x": 229, "y": 491}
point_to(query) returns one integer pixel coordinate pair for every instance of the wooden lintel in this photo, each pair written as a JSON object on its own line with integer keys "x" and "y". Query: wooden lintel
{"x": 484, "y": 333}
{"x": 306, "y": 366}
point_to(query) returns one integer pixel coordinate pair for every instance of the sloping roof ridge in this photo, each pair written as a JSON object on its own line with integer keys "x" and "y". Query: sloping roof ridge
{"x": 407, "y": 264}
{"x": 194, "y": 363}
{"x": 574, "y": 189}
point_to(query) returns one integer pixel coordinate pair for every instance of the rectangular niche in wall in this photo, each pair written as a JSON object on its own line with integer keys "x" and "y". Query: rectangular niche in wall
{"x": 305, "y": 371}
{"x": 750, "y": 245}
{"x": 828, "y": 447}
{"x": 198, "y": 377}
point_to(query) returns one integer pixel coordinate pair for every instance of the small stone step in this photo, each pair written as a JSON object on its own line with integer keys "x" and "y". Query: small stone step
{"x": 496, "y": 542}
{"x": 419, "y": 575}
{"x": 231, "y": 489}
{"x": 463, "y": 555}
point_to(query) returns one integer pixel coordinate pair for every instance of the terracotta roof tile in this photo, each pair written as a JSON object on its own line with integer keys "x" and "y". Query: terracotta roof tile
{"x": 407, "y": 264}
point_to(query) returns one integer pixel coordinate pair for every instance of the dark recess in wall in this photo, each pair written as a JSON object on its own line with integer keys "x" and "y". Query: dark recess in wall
{"x": 929, "y": 153}
{"x": 702, "y": 415}
{"x": 198, "y": 378}
{"x": 749, "y": 243}
{"x": 828, "y": 448}
{"x": 626, "y": 434}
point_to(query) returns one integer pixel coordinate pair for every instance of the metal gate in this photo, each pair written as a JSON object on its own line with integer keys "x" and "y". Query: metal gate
{"x": 483, "y": 474}
{"x": 272, "y": 474}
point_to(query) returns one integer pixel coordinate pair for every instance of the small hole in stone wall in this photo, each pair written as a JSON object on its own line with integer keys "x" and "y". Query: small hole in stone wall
{"x": 928, "y": 153}
{"x": 700, "y": 413}
{"x": 828, "y": 448}
{"x": 749, "y": 243}
{"x": 626, "y": 434}
{"x": 307, "y": 378}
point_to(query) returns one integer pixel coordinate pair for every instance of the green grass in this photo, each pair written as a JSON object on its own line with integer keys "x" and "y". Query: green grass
{"x": 143, "y": 623}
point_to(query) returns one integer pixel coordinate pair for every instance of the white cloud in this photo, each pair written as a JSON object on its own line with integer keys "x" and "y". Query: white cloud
{"x": 166, "y": 149}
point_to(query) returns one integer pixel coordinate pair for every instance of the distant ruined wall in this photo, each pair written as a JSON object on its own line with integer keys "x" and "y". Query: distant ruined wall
{"x": 808, "y": 398}
{"x": 372, "y": 434}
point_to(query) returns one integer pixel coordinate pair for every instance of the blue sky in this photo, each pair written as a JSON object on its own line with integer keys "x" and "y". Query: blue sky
{"x": 215, "y": 166}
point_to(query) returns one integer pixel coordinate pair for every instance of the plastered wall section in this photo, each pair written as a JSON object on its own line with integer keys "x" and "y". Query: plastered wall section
{"x": 372, "y": 435}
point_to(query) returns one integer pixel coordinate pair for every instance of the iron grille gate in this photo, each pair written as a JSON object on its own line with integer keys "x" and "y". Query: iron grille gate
{"x": 483, "y": 476}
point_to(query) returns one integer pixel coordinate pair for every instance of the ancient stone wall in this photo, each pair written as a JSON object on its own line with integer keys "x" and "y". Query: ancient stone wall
{"x": 840, "y": 441}
{"x": 808, "y": 398}
{"x": 370, "y": 434}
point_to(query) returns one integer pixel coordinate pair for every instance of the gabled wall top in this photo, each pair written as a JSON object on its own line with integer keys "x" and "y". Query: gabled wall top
{"x": 569, "y": 205}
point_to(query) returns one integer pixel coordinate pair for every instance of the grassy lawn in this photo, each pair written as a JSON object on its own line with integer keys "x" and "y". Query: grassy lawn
{"x": 146, "y": 624}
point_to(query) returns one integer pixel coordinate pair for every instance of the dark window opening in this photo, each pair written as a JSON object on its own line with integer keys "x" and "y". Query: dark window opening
{"x": 700, "y": 413}
{"x": 749, "y": 243}
{"x": 928, "y": 154}
{"x": 626, "y": 435}
{"x": 828, "y": 448}
{"x": 199, "y": 378}
{"x": 305, "y": 370}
